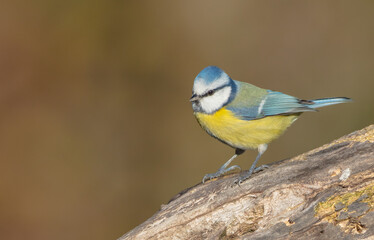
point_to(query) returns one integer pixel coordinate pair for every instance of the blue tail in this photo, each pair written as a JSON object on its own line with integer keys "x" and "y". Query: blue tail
{"x": 323, "y": 102}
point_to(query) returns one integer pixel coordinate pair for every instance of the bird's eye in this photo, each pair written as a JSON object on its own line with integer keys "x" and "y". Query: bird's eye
{"x": 210, "y": 92}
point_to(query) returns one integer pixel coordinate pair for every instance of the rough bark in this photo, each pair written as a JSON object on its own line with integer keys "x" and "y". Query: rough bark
{"x": 326, "y": 193}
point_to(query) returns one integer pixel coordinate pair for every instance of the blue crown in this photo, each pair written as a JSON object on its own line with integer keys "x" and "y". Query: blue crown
{"x": 210, "y": 74}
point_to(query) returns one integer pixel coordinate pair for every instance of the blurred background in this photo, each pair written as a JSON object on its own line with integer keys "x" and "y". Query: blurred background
{"x": 96, "y": 130}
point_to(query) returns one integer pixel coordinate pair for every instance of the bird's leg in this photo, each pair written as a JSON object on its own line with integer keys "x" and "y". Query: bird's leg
{"x": 222, "y": 170}
{"x": 261, "y": 149}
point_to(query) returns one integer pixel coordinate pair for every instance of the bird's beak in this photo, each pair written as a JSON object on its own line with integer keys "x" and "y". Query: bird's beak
{"x": 194, "y": 98}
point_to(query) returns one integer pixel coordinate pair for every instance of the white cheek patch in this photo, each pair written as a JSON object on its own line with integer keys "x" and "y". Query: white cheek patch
{"x": 210, "y": 104}
{"x": 200, "y": 87}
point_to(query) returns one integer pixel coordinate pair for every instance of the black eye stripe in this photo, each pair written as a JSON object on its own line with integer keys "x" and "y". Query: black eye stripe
{"x": 211, "y": 92}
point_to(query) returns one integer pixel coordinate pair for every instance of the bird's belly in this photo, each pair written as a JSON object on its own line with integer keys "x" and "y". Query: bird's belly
{"x": 244, "y": 134}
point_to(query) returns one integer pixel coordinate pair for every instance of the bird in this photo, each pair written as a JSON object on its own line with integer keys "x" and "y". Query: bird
{"x": 245, "y": 116}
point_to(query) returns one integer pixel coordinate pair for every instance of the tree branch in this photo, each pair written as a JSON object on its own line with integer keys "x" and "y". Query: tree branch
{"x": 326, "y": 193}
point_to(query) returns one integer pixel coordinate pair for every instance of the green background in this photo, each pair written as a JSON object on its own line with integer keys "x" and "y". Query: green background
{"x": 96, "y": 130}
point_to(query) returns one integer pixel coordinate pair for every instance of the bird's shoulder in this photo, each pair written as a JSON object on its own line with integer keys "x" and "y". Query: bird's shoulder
{"x": 247, "y": 95}
{"x": 247, "y": 100}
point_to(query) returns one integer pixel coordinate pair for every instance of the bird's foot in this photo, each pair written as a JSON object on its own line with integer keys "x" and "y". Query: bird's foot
{"x": 244, "y": 177}
{"x": 219, "y": 173}
{"x": 260, "y": 168}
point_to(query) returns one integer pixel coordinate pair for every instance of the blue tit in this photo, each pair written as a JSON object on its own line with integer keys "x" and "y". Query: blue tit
{"x": 244, "y": 116}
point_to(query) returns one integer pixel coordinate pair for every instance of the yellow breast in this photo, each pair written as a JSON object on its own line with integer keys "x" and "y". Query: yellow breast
{"x": 241, "y": 133}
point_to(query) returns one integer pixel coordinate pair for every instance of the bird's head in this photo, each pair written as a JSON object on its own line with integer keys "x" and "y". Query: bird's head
{"x": 212, "y": 89}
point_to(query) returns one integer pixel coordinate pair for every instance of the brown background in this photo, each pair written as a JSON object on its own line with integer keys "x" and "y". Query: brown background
{"x": 96, "y": 130}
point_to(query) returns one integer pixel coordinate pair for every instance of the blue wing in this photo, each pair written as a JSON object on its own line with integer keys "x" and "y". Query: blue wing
{"x": 277, "y": 103}
{"x": 252, "y": 103}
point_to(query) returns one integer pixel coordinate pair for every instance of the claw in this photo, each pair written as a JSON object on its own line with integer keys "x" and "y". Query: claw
{"x": 212, "y": 175}
{"x": 241, "y": 179}
{"x": 204, "y": 178}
